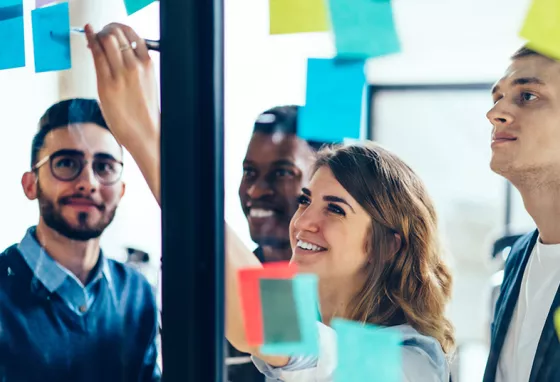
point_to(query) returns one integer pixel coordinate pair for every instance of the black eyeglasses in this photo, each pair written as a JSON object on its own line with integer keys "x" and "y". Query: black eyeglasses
{"x": 67, "y": 165}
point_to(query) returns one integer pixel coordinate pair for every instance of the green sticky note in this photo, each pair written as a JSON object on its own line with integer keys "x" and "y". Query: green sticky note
{"x": 307, "y": 302}
{"x": 557, "y": 322}
{"x": 298, "y": 16}
{"x": 367, "y": 353}
{"x": 363, "y": 28}
{"x": 280, "y": 319}
{"x": 133, "y": 6}
{"x": 542, "y": 28}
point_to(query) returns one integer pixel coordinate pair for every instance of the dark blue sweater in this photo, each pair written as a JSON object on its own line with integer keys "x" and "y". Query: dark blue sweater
{"x": 42, "y": 339}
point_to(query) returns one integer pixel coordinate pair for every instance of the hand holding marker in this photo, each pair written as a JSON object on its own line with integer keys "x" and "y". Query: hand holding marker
{"x": 150, "y": 44}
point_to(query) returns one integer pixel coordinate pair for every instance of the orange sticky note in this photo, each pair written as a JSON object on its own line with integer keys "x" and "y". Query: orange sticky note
{"x": 249, "y": 290}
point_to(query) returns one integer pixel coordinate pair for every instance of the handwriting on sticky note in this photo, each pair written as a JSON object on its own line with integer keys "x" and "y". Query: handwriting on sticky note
{"x": 12, "y": 54}
{"x": 333, "y": 106}
{"x": 298, "y": 16}
{"x": 542, "y": 29}
{"x": 367, "y": 353}
{"x": 133, "y": 6}
{"x": 51, "y": 38}
{"x": 249, "y": 291}
{"x": 363, "y": 28}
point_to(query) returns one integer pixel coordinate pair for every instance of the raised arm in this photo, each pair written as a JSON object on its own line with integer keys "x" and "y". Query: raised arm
{"x": 129, "y": 96}
{"x": 129, "y": 101}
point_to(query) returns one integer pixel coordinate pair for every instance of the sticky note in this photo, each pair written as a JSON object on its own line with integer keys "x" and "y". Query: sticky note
{"x": 12, "y": 54}
{"x": 363, "y": 28}
{"x": 557, "y": 322}
{"x": 51, "y": 38}
{"x": 280, "y": 319}
{"x": 10, "y": 9}
{"x": 307, "y": 303}
{"x": 542, "y": 29}
{"x": 42, "y": 3}
{"x": 367, "y": 353}
{"x": 333, "y": 107}
{"x": 133, "y": 6}
{"x": 298, "y": 16}
{"x": 249, "y": 292}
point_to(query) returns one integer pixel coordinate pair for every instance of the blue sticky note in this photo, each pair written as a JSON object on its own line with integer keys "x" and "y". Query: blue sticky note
{"x": 333, "y": 107}
{"x": 367, "y": 353}
{"x": 51, "y": 38}
{"x": 10, "y": 10}
{"x": 363, "y": 28}
{"x": 12, "y": 54}
{"x": 133, "y": 6}
{"x": 305, "y": 290}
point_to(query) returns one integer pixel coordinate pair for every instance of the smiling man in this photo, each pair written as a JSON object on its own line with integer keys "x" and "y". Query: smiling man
{"x": 276, "y": 166}
{"x": 68, "y": 313}
{"x": 526, "y": 151}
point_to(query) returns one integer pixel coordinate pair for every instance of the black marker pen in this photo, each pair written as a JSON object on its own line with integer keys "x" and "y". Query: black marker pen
{"x": 151, "y": 44}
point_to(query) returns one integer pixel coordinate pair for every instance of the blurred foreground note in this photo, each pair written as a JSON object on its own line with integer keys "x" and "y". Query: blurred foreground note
{"x": 367, "y": 353}
{"x": 250, "y": 295}
{"x": 557, "y": 322}
{"x": 133, "y": 6}
{"x": 280, "y": 320}
{"x": 12, "y": 54}
{"x": 363, "y": 28}
{"x": 305, "y": 296}
{"x": 542, "y": 28}
{"x": 51, "y": 38}
{"x": 298, "y": 16}
{"x": 333, "y": 106}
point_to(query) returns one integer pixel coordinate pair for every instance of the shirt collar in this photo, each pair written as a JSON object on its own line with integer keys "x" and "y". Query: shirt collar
{"x": 50, "y": 273}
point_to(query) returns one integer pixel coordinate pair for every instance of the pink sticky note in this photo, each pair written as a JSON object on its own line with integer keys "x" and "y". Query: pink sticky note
{"x": 249, "y": 288}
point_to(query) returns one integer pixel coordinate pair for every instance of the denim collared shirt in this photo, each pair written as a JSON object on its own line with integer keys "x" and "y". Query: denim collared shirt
{"x": 58, "y": 279}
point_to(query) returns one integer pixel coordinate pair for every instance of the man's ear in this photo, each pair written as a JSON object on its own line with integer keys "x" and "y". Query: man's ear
{"x": 123, "y": 189}
{"x": 29, "y": 185}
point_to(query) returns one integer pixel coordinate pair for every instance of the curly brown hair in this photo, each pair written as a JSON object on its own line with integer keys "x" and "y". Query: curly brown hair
{"x": 407, "y": 281}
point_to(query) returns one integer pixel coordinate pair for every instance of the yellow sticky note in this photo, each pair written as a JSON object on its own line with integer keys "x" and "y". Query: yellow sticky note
{"x": 298, "y": 16}
{"x": 542, "y": 28}
{"x": 557, "y": 322}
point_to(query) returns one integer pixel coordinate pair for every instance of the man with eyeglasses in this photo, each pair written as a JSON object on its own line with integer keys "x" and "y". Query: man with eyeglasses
{"x": 67, "y": 312}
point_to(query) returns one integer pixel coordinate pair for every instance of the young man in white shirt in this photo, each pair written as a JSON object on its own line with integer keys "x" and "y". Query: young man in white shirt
{"x": 526, "y": 151}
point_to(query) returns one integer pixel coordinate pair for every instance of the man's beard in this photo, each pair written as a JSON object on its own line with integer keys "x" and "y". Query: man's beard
{"x": 53, "y": 218}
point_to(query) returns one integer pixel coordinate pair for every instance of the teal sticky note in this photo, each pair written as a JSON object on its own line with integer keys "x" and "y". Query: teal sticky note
{"x": 363, "y": 28}
{"x": 51, "y": 38}
{"x": 12, "y": 54}
{"x": 305, "y": 291}
{"x": 133, "y": 6}
{"x": 367, "y": 353}
{"x": 280, "y": 319}
{"x": 333, "y": 106}
{"x": 10, "y": 10}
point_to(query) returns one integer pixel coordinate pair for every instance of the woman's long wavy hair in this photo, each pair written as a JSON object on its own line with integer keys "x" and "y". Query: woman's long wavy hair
{"x": 407, "y": 279}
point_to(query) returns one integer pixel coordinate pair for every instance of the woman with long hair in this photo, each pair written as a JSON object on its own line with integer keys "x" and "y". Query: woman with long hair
{"x": 367, "y": 227}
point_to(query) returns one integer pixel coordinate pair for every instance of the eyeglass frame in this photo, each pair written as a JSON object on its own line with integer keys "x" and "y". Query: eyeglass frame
{"x": 84, "y": 162}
